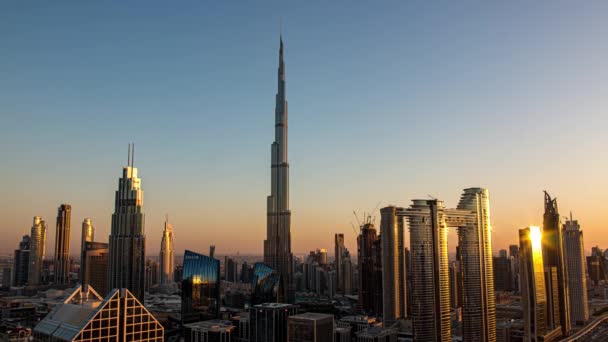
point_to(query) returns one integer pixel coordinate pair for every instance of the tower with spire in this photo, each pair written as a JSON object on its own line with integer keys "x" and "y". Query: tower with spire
{"x": 167, "y": 257}
{"x": 277, "y": 246}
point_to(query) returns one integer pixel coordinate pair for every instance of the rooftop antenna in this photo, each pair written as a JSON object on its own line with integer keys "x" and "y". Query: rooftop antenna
{"x": 133, "y": 155}
{"x": 129, "y": 155}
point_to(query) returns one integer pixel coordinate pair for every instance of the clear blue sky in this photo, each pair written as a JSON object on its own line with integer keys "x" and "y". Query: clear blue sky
{"x": 388, "y": 101}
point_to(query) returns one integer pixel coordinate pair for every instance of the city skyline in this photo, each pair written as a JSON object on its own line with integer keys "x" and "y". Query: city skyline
{"x": 197, "y": 186}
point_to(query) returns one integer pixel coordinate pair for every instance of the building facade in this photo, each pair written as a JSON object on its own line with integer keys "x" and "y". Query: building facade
{"x": 200, "y": 288}
{"x": 167, "y": 255}
{"x": 21, "y": 262}
{"x": 277, "y": 246}
{"x": 87, "y": 235}
{"x": 266, "y": 285}
{"x": 97, "y": 257}
{"x": 394, "y": 300}
{"x": 533, "y": 291}
{"x": 268, "y": 322}
{"x": 574, "y": 256}
{"x": 127, "y": 239}
{"x": 62, "y": 244}
{"x": 310, "y": 327}
{"x": 37, "y": 251}
{"x": 339, "y": 249}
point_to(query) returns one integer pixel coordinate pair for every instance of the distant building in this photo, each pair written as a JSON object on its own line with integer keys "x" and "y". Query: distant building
{"x": 268, "y": 321}
{"x": 21, "y": 262}
{"x": 339, "y": 249}
{"x": 7, "y": 277}
{"x": 574, "y": 256}
{"x": 246, "y": 273}
{"x": 87, "y": 235}
{"x": 86, "y": 316}
{"x": 96, "y": 271}
{"x": 310, "y": 327}
{"x": 379, "y": 334}
{"x": 167, "y": 255}
{"x": 210, "y": 331}
{"x": 37, "y": 251}
{"x": 62, "y": 244}
{"x": 514, "y": 257}
{"x": 266, "y": 285}
{"x": 200, "y": 288}
{"x": 455, "y": 285}
{"x": 502, "y": 273}
{"x": 230, "y": 270}
{"x": 152, "y": 274}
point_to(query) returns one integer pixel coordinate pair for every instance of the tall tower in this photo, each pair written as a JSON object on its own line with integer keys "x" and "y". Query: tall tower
{"x": 37, "y": 251}
{"x": 62, "y": 244}
{"x": 338, "y": 251}
{"x": 167, "y": 257}
{"x": 394, "y": 300}
{"x": 88, "y": 235}
{"x": 430, "y": 273}
{"x": 556, "y": 278}
{"x": 574, "y": 254}
{"x": 477, "y": 271}
{"x": 365, "y": 262}
{"x": 21, "y": 262}
{"x": 277, "y": 246}
{"x": 127, "y": 239}
{"x": 533, "y": 284}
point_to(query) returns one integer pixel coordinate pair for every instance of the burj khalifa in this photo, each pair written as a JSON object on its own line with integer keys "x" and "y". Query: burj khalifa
{"x": 277, "y": 246}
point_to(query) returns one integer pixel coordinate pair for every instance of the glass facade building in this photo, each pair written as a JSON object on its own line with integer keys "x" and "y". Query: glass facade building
{"x": 200, "y": 288}
{"x": 266, "y": 286}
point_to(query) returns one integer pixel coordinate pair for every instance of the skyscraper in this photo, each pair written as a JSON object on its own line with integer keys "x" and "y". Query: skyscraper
{"x": 533, "y": 284}
{"x": 574, "y": 255}
{"x": 88, "y": 235}
{"x": 475, "y": 257}
{"x": 266, "y": 285}
{"x": 167, "y": 257}
{"x": 96, "y": 261}
{"x": 556, "y": 277}
{"x": 21, "y": 262}
{"x": 338, "y": 251}
{"x": 394, "y": 300}
{"x": 277, "y": 246}
{"x": 514, "y": 257}
{"x": 200, "y": 288}
{"x": 127, "y": 239}
{"x": 62, "y": 244}
{"x": 37, "y": 251}
{"x": 430, "y": 274}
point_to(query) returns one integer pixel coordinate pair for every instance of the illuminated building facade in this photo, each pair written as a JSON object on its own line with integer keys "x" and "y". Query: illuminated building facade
{"x": 62, "y": 244}
{"x": 87, "y": 235}
{"x": 86, "y": 316}
{"x": 127, "y": 237}
{"x": 200, "y": 288}
{"x": 394, "y": 300}
{"x": 574, "y": 256}
{"x": 37, "y": 251}
{"x": 266, "y": 286}
{"x": 167, "y": 256}
{"x": 533, "y": 284}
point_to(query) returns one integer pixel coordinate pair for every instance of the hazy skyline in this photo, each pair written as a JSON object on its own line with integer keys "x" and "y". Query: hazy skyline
{"x": 386, "y": 104}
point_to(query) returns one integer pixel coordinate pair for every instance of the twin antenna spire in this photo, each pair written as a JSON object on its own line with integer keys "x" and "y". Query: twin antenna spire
{"x": 131, "y": 155}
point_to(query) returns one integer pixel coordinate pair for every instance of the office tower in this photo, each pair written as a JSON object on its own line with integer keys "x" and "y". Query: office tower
{"x": 97, "y": 256}
{"x": 377, "y": 277}
{"x": 502, "y": 273}
{"x": 514, "y": 257}
{"x": 346, "y": 274}
{"x": 277, "y": 246}
{"x": 455, "y": 285}
{"x": 37, "y": 251}
{"x": 339, "y": 249}
{"x": 408, "y": 281}
{"x": 21, "y": 262}
{"x": 574, "y": 255}
{"x": 267, "y": 285}
{"x": 86, "y": 316}
{"x": 556, "y": 278}
{"x": 533, "y": 292}
{"x": 475, "y": 257}
{"x": 322, "y": 256}
{"x": 127, "y": 239}
{"x": 88, "y": 235}
{"x": 212, "y": 251}
{"x": 310, "y": 327}
{"x": 268, "y": 321}
{"x": 200, "y": 288}
{"x": 62, "y": 244}
{"x": 393, "y": 265}
{"x": 230, "y": 269}
{"x": 167, "y": 257}
{"x": 430, "y": 274}
{"x": 245, "y": 269}
{"x": 331, "y": 283}
{"x": 152, "y": 274}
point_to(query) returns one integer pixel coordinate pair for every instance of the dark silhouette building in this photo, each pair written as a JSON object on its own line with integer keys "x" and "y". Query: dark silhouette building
{"x": 62, "y": 244}
{"x": 21, "y": 262}
{"x": 266, "y": 285}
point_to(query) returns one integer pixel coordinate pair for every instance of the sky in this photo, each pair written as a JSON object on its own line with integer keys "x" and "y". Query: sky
{"x": 388, "y": 101}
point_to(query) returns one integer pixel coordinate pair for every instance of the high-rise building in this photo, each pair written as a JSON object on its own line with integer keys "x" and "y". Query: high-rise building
{"x": 455, "y": 285}
{"x": 533, "y": 291}
{"x": 88, "y": 235}
{"x": 127, "y": 239}
{"x": 502, "y": 273}
{"x": 97, "y": 256}
{"x": 167, "y": 257}
{"x": 556, "y": 277}
{"x": 266, "y": 285}
{"x": 393, "y": 265}
{"x": 472, "y": 218}
{"x": 514, "y": 258}
{"x": 377, "y": 277}
{"x": 268, "y": 321}
{"x": 230, "y": 269}
{"x": 152, "y": 274}
{"x": 310, "y": 327}
{"x": 246, "y": 272}
{"x": 346, "y": 273}
{"x": 430, "y": 274}
{"x": 62, "y": 244}
{"x": 277, "y": 246}
{"x": 21, "y": 262}
{"x": 339, "y": 249}
{"x": 86, "y": 316}
{"x": 574, "y": 255}
{"x": 200, "y": 288}
{"x": 37, "y": 251}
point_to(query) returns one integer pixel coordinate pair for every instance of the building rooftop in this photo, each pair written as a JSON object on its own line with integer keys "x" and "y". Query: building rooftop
{"x": 215, "y": 325}
{"x": 273, "y": 306}
{"x": 313, "y": 316}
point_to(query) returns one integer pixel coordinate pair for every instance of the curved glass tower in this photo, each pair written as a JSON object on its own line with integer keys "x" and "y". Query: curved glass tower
{"x": 200, "y": 288}
{"x": 266, "y": 285}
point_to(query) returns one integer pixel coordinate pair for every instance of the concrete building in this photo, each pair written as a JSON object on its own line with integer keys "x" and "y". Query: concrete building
{"x": 127, "y": 237}
{"x": 37, "y": 251}
{"x": 574, "y": 256}
{"x": 167, "y": 255}
{"x": 310, "y": 327}
{"x": 277, "y": 246}
{"x": 62, "y": 244}
{"x": 394, "y": 300}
